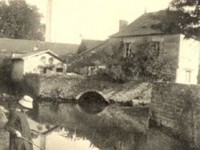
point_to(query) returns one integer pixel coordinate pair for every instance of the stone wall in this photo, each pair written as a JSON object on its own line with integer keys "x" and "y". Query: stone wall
{"x": 72, "y": 86}
{"x": 53, "y": 85}
{"x": 177, "y": 107}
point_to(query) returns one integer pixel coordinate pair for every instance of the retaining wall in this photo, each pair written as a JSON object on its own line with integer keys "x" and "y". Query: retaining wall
{"x": 177, "y": 106}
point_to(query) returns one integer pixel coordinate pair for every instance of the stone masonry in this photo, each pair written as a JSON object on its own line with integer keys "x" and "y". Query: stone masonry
{"x": 177, "y": 106}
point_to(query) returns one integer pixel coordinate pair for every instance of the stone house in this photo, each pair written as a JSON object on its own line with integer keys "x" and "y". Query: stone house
{"x": 36, "y": 62}
{"x": 183, "y": 52}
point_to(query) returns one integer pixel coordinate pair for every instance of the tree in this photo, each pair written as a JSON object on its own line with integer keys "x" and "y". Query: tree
{"x": 148, "y": 65}
{"x": 20, "y": 20}
{"x": 182, "y": 16}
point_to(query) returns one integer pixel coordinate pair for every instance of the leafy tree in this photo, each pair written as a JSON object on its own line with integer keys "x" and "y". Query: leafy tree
{"x": 182, "y": 16}
{"x": 20, "y": 20}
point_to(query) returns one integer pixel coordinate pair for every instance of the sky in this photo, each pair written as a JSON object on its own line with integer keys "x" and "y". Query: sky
{"x": 73, "y": 20}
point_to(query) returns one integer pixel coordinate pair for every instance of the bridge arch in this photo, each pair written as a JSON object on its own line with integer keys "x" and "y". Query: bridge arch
{"x": 92, "y": 101}
{"x": 91, "y": 92}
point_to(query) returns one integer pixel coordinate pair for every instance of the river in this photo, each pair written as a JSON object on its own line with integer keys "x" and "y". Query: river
{"x": 114, "y": 128}
{"x": 67, "y": 126}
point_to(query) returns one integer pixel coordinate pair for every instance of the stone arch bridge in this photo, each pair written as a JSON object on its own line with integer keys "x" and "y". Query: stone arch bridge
{"x": 75, "y": 87}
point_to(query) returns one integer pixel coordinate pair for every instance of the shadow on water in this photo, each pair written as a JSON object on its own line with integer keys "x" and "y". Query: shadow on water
{"x": 92, "y": 102}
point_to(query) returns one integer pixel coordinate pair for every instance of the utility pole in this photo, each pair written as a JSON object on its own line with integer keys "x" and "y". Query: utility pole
{"x": 48, "y": 21}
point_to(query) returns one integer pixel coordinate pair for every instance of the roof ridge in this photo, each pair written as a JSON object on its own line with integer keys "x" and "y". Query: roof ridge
{"x": 134, "y": 28}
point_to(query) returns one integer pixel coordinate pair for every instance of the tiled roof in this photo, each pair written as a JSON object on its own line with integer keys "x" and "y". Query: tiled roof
{"x": 141, "y": 26}
{"x": 16, "y": 45}
{"x": 88, "y": 44}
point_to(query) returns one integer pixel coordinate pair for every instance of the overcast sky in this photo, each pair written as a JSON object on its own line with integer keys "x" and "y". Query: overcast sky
{"x": 93, "y": 19}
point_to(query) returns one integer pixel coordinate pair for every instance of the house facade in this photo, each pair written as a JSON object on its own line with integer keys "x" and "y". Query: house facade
{"x": 37, "y": 62}
{"x": 183, "y": 53}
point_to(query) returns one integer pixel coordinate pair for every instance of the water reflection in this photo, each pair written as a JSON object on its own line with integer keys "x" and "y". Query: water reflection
{"x": 115, "y": 128}
{"x": 66, "y": 141}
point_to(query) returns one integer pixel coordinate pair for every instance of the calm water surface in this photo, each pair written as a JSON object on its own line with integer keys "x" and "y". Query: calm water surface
{"x": 114, "y": 128}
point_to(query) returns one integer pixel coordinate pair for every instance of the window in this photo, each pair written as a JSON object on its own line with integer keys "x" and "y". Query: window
{"x": 154, "y": 47}
{"x": 128, "y": 49}
{"x": 44, "y": 70}
{"x": 43, "y": 59}
{"x": 51, "y": 60}
{"x": 59, "y": 69}
{"x": 188, "y": 76}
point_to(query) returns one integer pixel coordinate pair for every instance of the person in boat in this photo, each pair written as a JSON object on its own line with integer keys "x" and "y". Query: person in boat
{"x": 18, "y": 125}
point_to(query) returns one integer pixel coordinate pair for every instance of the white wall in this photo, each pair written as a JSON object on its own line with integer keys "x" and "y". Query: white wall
{"x": 31, "y": 63}
{"x": 188, "y": 65}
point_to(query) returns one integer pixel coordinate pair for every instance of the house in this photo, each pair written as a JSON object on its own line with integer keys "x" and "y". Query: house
{"x": 183, "y": 52}
{"x": 88, "y": 44}
{"x": 36, "y": 62}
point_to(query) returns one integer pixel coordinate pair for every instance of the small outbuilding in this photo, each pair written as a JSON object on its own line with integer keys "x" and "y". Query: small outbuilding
{"x": 36, "y": 62}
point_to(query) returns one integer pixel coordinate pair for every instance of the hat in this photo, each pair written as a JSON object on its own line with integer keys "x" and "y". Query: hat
{"x": 26, "y": 101}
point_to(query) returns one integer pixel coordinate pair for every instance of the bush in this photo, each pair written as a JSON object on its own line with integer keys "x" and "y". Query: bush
{"x": 5, "y": 75}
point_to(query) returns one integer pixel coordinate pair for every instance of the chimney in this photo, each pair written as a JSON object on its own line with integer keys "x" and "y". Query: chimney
{"x": 122, "y": 24}
{"x": 48, "y": 21}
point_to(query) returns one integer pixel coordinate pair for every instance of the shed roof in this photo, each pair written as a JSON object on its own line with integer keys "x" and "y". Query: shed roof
{"x": 142, "y": 26}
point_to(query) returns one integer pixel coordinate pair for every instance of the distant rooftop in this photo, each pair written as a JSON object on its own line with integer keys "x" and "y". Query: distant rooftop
{"x": 141, "y": 26}
{"x": 21, "y": 46}
{"x": 107, "y": 49}
{"x": 88, "y": 44}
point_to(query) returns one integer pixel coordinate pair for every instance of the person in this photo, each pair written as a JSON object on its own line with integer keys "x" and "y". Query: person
{"x": 18, "y": 125}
